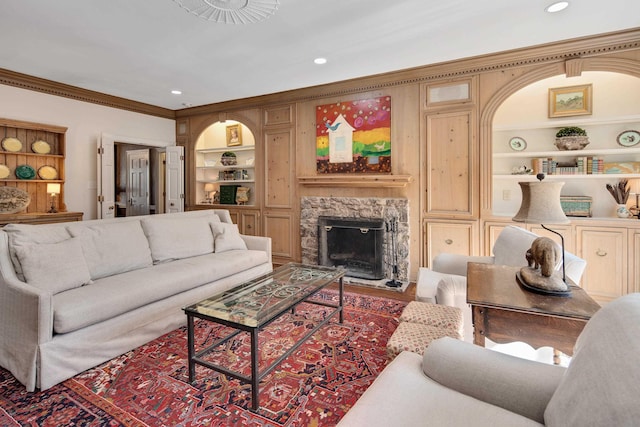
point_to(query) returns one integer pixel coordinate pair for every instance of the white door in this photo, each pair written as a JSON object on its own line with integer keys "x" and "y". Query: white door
{"x": 137, "y": 182}
{"x": 174, "y": 180}
{"x": 106, "y": 179}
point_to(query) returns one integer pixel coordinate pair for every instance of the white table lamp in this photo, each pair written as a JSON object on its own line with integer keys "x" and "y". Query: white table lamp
{"x": 53, "y": 189}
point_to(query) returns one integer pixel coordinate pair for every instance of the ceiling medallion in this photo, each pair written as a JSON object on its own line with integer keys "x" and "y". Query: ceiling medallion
{"x": 231, "y": 11}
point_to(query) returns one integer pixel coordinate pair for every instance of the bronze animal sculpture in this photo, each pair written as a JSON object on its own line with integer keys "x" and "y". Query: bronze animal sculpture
{"x": 544, "y": 254}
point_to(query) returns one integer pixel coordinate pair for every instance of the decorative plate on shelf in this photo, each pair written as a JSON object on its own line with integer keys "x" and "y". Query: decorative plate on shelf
{"x": 628, "y": 138}
{"x": 13, "y": 200}
{"x": 41, "y": 147}
{"x": 518, "y": 144}
{"x": 25, "y": 172}
{"x": 4, "y": 171}
{"x": 48, "y": 172}
{"x": 11, "y": 144}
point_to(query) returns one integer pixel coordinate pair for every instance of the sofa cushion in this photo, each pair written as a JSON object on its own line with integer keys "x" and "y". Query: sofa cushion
{"x": 114, "y": 295}
{"x": 113, "y": 248}
{"x": 602, "y": 383}
{"x": 54, "y": 267}
{"x": 26, "y": 234}
{"x": 227, "y": 237}
{"x": 173, "y": 238}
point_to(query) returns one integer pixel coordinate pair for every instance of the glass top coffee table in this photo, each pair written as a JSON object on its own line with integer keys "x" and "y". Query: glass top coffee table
{"x": 252, "y": 305}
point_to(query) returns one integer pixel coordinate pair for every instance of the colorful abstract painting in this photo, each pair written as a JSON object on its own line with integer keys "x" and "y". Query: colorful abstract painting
{"x": 354, "y": 136}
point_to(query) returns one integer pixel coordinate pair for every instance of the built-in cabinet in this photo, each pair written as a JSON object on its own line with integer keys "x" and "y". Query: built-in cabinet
{"x": 450, "y": 170}
{"x": 280, "y": 196}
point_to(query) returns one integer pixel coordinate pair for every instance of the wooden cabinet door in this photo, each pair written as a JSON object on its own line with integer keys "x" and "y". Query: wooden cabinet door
{"x": 449, "y": 237}
{"x": 249, "y": 222}
{"x": 605, "y": 250}
{"x": 450, "y": 165}
{"x": 279, "y": 225}
{"x": 279, "y": 170}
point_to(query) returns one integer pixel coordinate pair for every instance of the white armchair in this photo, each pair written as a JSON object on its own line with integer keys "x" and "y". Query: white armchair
{"x": 446, "y": 282}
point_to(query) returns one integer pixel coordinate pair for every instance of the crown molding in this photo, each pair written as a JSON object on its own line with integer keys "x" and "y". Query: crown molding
{"x": 24, "y": 81}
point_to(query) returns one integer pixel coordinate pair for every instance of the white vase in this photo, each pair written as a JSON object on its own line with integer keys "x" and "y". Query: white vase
{"x": 622, "y": 211}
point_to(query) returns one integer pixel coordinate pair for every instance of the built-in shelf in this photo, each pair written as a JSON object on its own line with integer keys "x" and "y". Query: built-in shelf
{"x": 379, "y": 181}
{"x": 567, "y": 153}
{"x": 573, "y": 176}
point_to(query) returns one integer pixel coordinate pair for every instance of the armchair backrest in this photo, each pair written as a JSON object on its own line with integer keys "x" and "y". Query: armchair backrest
{"x": 602, "y": 383}
{"x": 512, "y": 245}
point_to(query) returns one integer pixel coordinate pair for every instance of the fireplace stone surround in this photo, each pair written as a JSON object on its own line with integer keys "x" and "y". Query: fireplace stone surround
{"x": 387, "y": 209}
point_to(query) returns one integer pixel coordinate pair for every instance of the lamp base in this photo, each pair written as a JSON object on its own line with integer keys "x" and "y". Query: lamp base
{"x": 531, "y": 279}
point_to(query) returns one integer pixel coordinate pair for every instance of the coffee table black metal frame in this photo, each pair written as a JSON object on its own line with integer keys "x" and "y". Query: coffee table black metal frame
{"x": 196, "y": 357}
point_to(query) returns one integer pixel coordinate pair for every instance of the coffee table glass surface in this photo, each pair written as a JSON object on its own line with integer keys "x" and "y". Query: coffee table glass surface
{"x": 258, "y": 300}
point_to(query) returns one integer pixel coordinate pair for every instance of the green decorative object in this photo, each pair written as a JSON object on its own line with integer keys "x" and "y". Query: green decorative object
{"x": 571, "y": 131}
{"x": 228, "y": 194}
{"x": 25, "y": 172}
{"x": 571, "y": 138}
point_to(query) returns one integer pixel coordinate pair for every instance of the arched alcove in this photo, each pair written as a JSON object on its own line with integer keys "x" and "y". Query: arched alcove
{"x": 522, "y": 106}
{"x": 215, "y": 176}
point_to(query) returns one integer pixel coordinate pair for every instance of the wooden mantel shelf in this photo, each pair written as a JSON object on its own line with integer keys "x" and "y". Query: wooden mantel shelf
{"x": 379, "y": 181}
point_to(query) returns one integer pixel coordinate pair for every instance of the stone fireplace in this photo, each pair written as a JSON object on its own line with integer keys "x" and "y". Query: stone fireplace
{"x": 352, "y": 211}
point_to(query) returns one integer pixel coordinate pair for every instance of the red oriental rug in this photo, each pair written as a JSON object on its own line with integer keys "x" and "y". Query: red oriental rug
{"x": 315, "y": 386}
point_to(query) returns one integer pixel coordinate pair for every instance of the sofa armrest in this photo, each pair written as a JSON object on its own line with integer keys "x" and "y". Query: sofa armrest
{"x": 26, "y": 321}
{"x": 517, "y": 385}
{"x": 457, "y": 264}
{"x": 258, "y": 243}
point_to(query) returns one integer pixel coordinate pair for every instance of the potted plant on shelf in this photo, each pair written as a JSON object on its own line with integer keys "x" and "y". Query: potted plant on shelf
{"x": 571, "y": 138}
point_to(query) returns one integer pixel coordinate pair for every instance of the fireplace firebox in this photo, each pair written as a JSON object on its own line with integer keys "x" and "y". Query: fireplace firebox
{"x": 353, "y": 243}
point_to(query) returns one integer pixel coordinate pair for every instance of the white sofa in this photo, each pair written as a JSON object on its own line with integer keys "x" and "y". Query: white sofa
{"x": 446, "y": 282}
{"x": 457, "y": 383}
{"x": 73, "y": 295}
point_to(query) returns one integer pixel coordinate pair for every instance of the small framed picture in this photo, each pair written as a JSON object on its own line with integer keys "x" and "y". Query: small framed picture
{"x": 234, "y": 135}
{"x": 570, "y": 101}
{"x": 517, "y": 144}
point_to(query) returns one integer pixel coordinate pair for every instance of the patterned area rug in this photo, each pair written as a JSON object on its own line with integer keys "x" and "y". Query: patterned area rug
{"x": 314, "y": 386}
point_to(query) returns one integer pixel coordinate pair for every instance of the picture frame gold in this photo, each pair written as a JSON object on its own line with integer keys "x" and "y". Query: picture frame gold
{"x": 570, "y": 101}
{"x": 234, "y": 135}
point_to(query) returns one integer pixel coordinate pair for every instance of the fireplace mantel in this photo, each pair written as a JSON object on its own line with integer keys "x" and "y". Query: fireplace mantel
{"x": 379, "y": 181}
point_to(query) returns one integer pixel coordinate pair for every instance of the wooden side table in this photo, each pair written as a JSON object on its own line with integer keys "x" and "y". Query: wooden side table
{"x": 504, "y": 312}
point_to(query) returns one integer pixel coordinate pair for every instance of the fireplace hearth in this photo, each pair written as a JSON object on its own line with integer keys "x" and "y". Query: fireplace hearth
{"x": 353, "y": 243}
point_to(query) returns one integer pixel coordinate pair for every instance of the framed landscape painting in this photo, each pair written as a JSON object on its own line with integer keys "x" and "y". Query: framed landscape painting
{"x": 570, "y": 101}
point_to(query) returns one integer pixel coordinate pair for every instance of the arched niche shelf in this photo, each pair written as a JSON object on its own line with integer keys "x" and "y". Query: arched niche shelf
{"x": 613, "y": 65}
{"x": 219, "y": 177}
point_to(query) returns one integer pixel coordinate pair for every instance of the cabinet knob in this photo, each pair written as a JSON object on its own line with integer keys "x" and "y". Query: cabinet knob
{"x": 249, "y": 226}
{"x": 111, "y": 208}
{"x": 448, "y": 241}
{"x": 600, "y": 252}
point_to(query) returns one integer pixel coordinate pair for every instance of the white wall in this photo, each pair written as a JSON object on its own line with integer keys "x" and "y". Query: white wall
{"x": 85, "y": 123}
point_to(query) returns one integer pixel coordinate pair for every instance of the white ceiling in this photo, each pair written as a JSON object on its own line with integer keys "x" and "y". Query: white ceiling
{"x": 142, "y": 49}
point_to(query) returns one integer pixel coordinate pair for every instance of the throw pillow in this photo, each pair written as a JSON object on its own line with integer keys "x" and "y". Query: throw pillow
{"x": 113, "y": 247}
{"x": 227, "y": 237}
{"x": 54, "y": 267}
{"x": 27, "y": 234}
{"x": 173, "y": 237}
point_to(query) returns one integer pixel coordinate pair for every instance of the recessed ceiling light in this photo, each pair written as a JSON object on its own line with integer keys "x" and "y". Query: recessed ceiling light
{"x": 320, "y": 61}
{"x": 557, "y": 6}
{"x": 176, "y": 92}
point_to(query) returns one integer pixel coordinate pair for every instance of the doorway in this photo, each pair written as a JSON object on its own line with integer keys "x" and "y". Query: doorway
{"x": 164, "y": 180}
{"x": 137, "y": 183}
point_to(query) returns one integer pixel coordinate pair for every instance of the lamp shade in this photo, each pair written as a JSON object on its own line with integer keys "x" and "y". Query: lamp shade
{"x": 209, "y": 187}
{"x": 53, "y": 188}
{"x": 541, "y": 203}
